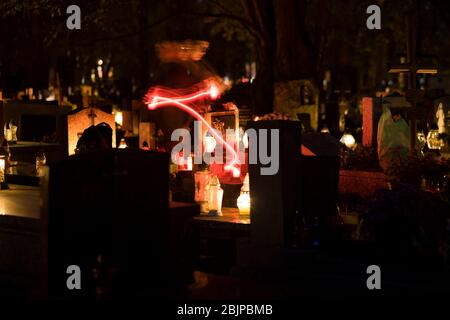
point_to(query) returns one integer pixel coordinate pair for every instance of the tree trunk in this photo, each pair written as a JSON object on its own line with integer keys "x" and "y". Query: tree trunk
{"x": 294, "y": 57}
{"x": 286, "y": 53}
{"x": 144, "y": 45}
{"x": 264, "y": 83}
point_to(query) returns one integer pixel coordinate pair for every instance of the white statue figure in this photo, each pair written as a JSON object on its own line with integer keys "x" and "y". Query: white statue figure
{"x": 393, "y": 138}
{"x": 440, "y": 116}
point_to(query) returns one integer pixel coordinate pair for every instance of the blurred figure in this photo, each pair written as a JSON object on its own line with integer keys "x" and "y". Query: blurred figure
{"x": 94, "y": 138}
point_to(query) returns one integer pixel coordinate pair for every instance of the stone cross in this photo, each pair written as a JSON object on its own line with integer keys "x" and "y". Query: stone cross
{"x": 92, "y": 116}
{"x": 413, "y": 67}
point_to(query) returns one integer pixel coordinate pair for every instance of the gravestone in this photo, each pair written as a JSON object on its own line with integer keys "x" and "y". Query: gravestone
{"x": 40, "y": 127}
{"x": 82, "y": 119}
{"x": 108, "y": 214}
{"x": 319, "y": 179}
{"x": 146, "y": 135}
{"x": 127, "y": 122}
{"x": 35, "y": 121}
{"x": 305, "y": 186}
{"x": 393, "y": 139}
{"x": 371, "y": 112}
{"x": 245, "y": 115}
{"x": 274, "y": 198}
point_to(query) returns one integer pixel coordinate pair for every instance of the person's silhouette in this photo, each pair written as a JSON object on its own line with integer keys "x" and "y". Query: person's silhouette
{"x": 94, "y": 138}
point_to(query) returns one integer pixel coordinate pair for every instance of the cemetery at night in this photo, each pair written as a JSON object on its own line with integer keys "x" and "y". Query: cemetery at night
{"x": 265, "y": 153}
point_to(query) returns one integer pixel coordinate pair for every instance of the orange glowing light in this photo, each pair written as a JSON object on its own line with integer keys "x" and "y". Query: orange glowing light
{"x": 175, "y": 51}
{"x": 163, "y": 97}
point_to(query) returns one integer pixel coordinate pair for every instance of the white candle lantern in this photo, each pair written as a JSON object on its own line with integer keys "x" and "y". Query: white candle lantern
{"x": 348, "y": 140}
{"x": 243, "y": 201}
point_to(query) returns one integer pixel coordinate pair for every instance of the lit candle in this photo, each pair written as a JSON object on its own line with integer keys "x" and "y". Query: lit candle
{"x": 348, "y": 140}
{"x": 123, "y": 144}
{"x": 243, "y": 201}
{"x": 118, "y": 118}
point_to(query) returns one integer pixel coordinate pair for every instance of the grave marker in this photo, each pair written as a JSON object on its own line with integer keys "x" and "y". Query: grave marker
{"x": 413, "y": 67}
{"x": 82, "y": 119}
{"x": 371, "y": 111}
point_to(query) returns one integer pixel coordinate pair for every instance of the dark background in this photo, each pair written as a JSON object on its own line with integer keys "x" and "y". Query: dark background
{"x": 288, "y": 39}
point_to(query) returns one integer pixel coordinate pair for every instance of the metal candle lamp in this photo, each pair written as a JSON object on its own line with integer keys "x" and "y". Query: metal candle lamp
{"x": 202, "y": 179}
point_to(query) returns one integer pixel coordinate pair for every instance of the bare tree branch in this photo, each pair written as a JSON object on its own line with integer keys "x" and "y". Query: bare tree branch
{"x": 132, "y": 34}
{"x": 230, "y": 15}
{"x": 220, "y": 6}
{"x": 255, "y": 33}
{"x": 259, "y": 17}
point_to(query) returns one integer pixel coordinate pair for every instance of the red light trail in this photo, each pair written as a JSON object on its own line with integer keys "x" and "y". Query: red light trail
{"x": 158, "y": 97}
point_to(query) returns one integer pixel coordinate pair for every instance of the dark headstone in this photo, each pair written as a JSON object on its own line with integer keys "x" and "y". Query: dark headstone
{"x": 34, "y": 120}
{"x": 274, "y": 198}
{"x": 321, "y": 144}
{"x": 319, "y": 180}
{"x": 107, "y": 213}
{"x": 43, "y": 125}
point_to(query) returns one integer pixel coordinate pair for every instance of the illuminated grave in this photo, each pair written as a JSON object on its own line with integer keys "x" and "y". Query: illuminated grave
{"x": 82, "y": 119}
{"x": 37, "y": 126}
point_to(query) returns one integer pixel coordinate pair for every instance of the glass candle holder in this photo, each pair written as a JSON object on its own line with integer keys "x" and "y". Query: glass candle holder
{"x": 243, "y": 203}
{"x": 215, "y": 197}
{"x": 433, "y": 141}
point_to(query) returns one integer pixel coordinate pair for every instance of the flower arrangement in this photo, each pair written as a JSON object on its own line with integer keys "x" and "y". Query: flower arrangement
{"x": 360, "y": 158}
{"x": 416, "y": 170}
{"x": 272, "y": 116}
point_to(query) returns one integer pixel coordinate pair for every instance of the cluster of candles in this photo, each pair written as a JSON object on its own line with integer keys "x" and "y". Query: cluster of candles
{"x": 209, "y": 194}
